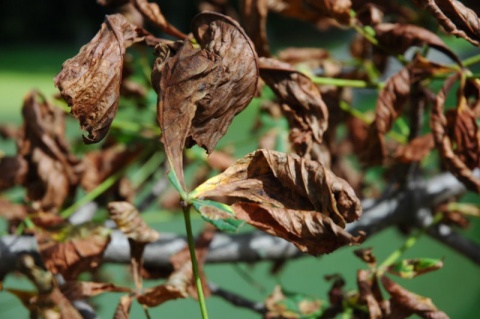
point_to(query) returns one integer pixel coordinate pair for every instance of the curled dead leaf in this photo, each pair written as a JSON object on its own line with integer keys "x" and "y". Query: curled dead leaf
{"x": 456, "y": 154}
{"x": 397, "y": 38}
{"x": 53, "y": 172}
{"x": 90, "y": 81}
{"x": 290, "y": 197}
{"x": 180, "y": 284}
{"x": 404, "y": 303}
{"x": 73, "y": 250}
{"x": 370, "y": 294}
{"x": 123, "y": 309}
{"x": 301, "y": 103}
{"x": 201, "y": 90}
{"x": 455, "y": 18}
{"x": 14, "y": 171}
{"x": 254, "y": 15}
{"x": 75, "y": 290}
{"x": 128, "y": 220}
{"x": 416, "y": 149}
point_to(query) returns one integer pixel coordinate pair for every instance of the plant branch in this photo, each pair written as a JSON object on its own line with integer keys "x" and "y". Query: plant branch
{"x": 409, "y": 207}
{"x": 237, "y": 300}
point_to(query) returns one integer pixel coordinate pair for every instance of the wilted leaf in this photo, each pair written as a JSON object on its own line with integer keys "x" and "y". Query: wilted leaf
{"x": 301, "y": 103}
{"x": 390, "y": 102}
{"x": 311, "y": 57}
{"x": 254, "y": 15}
{"x": 73, "y": 250}
{"x": 53, "y": 172}
{"x": 468, "y": 135}
{"x": 128, "y": 220}
{"x": 290, "y": 197}
{"x": 48, "y": 302}
{"x": 90, "y": 81}
{"x": 75, "y": 290}
{"x": 123, "y": 309}
{"x": 397, "y": 38}
{"x": 404, "y": 303}
{"x": 370, "y": 293}
{"x": 366, "y": 255}
{"x": 180, "y": 284}
{"x": 14, "y": 170}
{"x": 416, "y": 149}
{"x": 455, "y": 18}
{"x": 287, "y": 305}
{"x": 201, "y": 90}
{"x": 411, "y": 268}
{"x": 13, "y": 213}
{"x": 153, "y": 13}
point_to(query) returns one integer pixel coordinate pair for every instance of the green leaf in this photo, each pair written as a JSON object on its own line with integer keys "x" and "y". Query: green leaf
{"x": 220, "y": 215}
{"x": 411, "y": 268}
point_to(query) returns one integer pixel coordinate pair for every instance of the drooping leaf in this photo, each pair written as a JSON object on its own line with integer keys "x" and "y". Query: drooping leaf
{"x": 287, "y": 305}
{"x": 123, "y": 309}
{"x": 416, "y": 149}
{"x": 14, "y": 171}
{"x": 455, "y": 18}
{"x": 397, "y": 38}
{"x": 451, "y": 150}
{"x": 180, "y": 284}
{"x": 201, "y": 90}
{"x": 290, "y": 197}
{"x": 90, "y": 81}
{"x": 366, "y": 255}
{"x": 301, "y": 103}
{"x": 73, "y": 250}
{"x": 53, "y": 172}
{"x": 47, "y": 302}
{"x": 404, "y": 303}
{"x": 128, "y": 220}
{"x": 153, "y": 13}
{"x": 254, "y": 14}
{"x": 75, "y": 290}
{"x": 411, "y": 268}
{"x": 370, "y": 294}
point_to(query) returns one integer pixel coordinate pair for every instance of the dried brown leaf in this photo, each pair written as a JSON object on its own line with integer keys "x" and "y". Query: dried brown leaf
{"x": 457, "y": 151}
{"x": 311, "y": 57}
{"x": 14, "y": 171}
{"x": 180, "y": 284}
{"x": 416, "y": 149}
{"x": 366, "y": 255}
{"x": 254, "y": 15}
{"x": 201, "y": 90}
{"x": 455, "y": 18}
{"x": 48, "y": 302}
{"x": 369, "y": 293}
{"x": 404, "y": 303}
{"x": 13, "y": 213}
{"x": 90, "y": 81}
{"x": 153, "y": 13}
{"x": 75, "y": 290}
{"x": 336, "y": 9}
{"x": 397, "y": 38}
{"x": 74, "y": 250}
{"x": 301, "y": 102}
{"x": 288, "y": 196}
{"x": 123, "y": 309}
{"x": 390, "y": 102}
{"x": 128, "y": 220}
{"x": 53, "y": 172}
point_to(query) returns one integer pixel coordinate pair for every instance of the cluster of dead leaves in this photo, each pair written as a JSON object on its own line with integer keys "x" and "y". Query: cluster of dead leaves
{"x": 368, "y": 300}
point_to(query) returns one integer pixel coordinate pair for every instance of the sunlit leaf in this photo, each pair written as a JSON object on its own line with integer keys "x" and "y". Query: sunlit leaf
{"x": 411, "y": 268}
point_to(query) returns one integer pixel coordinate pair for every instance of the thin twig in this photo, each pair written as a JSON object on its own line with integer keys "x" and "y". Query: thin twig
{"x": 237, "y": 300}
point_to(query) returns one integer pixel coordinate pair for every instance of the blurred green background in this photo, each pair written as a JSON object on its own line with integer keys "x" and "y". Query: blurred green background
{"x": 38, "y": 39}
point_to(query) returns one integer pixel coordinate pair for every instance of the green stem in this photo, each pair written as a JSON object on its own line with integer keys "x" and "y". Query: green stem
{"x": 345, "y": 82}
{"x": 97, "y": 191}
{"x": 471, "y": 60}
{"x": 409, "y": 243}
{"x": 196, "y": 273}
